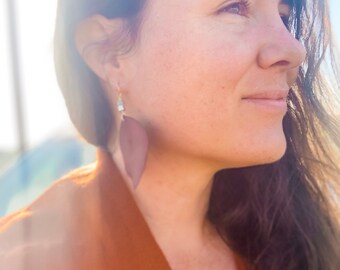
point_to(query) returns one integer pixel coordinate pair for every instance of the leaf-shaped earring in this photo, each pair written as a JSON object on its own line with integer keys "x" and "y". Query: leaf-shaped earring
{"x": 133, "y": 141}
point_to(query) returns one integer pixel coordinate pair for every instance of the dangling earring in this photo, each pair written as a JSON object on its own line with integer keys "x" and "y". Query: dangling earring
{"x": 133, "y": 141}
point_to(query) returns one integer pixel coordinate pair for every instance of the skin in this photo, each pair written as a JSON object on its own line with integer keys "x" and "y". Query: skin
{"x": 185, "y": 81}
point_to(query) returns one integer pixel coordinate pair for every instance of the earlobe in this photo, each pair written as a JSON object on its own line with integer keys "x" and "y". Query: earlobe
{"x": 92, "y": 39}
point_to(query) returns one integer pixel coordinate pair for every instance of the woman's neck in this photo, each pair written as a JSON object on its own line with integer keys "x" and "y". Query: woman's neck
{"x": 173, "y": 196}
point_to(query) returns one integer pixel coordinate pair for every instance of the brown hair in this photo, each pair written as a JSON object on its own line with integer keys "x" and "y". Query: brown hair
{"x": 276, "y": 216}
{"x": 86, "y": 102}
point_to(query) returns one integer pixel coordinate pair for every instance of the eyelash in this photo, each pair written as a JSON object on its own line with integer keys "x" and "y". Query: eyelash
{"x": 286, "y": 21}
{"x": 243, "y": 6}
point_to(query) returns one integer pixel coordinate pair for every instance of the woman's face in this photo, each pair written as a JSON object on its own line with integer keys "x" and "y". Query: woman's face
{"x": 209, "y": 78}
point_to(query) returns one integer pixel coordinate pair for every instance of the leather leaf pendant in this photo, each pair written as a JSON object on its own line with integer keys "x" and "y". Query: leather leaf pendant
{"x": 134, "y": 143}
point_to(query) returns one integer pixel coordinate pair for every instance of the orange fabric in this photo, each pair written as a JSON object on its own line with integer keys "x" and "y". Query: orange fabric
{"x": 87, "y": 220}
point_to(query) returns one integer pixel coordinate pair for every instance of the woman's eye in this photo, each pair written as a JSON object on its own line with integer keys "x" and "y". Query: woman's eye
{"x": 285, "y": 14}
{"x": 239, "y": 8}
{"x": 285, "y": 20}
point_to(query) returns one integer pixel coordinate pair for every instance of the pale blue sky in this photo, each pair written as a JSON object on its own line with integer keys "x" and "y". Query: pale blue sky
{"x": 335, "y": 17}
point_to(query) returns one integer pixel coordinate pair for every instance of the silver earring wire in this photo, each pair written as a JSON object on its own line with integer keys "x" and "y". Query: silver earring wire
{"x": 120, "y": 102}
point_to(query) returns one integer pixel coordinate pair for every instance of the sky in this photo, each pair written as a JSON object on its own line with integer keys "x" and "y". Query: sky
{"x": 335, "y": 18}
{"x": 44, "y": 108}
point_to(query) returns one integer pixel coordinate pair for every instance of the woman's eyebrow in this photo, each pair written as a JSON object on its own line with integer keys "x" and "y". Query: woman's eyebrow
{"x": 287, "y": 2}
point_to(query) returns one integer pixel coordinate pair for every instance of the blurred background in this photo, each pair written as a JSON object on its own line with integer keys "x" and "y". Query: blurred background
{"x": 38, "y": 144}
{"x": 37, "y": 141}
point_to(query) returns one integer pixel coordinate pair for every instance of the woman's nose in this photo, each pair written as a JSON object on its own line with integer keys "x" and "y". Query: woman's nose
{"x": 280, "y": 48}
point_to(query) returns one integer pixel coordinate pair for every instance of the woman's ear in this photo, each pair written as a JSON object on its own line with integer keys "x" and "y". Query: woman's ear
{"x": 92, "y": 39}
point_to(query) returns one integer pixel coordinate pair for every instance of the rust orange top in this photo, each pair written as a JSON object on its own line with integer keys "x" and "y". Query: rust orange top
{"x": 86, "y": 220}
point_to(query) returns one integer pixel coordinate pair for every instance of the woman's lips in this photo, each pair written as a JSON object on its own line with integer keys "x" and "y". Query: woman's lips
{"x": 274, "y": 101}
{"x": 269, "y": 104}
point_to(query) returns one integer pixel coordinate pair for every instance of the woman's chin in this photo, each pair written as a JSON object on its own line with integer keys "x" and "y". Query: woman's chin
{"x": 270, "y": 154}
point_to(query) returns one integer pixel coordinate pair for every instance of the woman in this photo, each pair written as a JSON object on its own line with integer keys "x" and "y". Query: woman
{"x": 214, "y": 140}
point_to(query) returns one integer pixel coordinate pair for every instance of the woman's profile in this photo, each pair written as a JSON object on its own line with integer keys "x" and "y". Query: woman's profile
{"x": 216, "y": 133}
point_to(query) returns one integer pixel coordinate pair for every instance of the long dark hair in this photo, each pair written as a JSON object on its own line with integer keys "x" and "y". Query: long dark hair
{"x": 276, "y": 216}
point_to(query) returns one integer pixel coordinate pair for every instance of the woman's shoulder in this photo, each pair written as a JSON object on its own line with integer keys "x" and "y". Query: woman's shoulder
{"x": 56, "y": 196}
{"x": 87, "y": 220}
{"x": 48, "y": 226}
